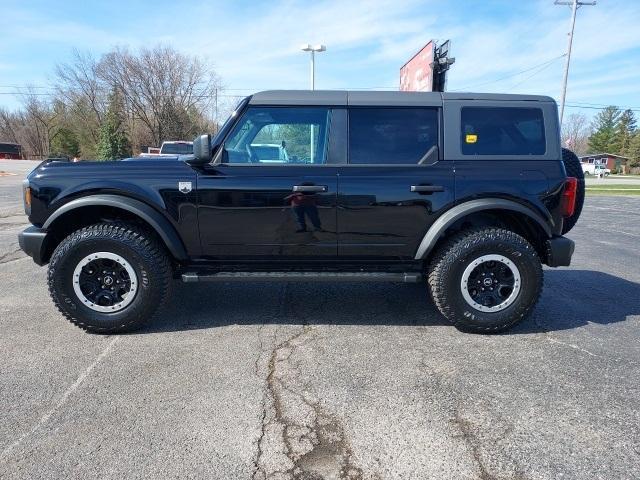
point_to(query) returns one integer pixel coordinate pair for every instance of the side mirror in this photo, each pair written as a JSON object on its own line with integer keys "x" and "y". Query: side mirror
{"x": 201, "y": 150}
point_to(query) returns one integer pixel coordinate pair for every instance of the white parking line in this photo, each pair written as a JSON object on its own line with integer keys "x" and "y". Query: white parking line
{"x": 571, "y": 345}
{"x": 65, "y": 396}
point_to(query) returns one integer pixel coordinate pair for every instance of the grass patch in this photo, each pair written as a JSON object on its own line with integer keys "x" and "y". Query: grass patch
{"x": 613, "y": 189}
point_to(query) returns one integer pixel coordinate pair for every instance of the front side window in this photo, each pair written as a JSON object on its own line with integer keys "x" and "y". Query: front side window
{"x": 502, "y": 131}
{"x": 392, "y": 135}
{"x": 278, "y": 135}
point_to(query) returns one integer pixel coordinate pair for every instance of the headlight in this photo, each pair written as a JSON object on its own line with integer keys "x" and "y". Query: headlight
{"x": 26, "y": 190}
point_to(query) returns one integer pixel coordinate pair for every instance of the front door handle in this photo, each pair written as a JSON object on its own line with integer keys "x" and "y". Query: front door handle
{"x": 310, "y": 188}
{"x": 427, "y": 188}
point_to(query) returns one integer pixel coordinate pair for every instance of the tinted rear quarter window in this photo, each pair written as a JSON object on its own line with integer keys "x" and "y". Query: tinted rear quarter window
{"x": 391, "y": 135}
{"x": 502, "y": 131}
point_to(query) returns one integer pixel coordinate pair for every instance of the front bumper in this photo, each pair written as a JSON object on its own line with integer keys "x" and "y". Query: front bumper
{"x": 32, "y": 241}
{"x": 559, "y": 251}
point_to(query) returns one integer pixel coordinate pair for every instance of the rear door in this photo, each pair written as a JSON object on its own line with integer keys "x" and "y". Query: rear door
{"x": 273, "y": 192}
{"x": 395, "y": 184}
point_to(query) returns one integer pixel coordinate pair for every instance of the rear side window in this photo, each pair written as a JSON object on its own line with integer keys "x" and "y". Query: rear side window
{"x": 391, "y": 135}
{"x": 502, "y": 131}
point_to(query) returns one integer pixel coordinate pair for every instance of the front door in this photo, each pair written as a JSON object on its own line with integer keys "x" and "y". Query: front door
{"x": 395, "y": 184}
{"x": 273, "y": 193}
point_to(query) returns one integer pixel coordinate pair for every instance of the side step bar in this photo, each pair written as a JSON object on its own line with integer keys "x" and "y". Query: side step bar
{"x": 191, "y": 277}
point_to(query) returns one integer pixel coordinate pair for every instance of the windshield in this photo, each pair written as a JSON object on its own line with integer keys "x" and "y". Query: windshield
{"x": 177, "y": 148}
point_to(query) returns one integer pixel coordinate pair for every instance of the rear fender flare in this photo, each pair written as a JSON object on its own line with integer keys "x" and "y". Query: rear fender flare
{"x": 155, "y": 219}
{"x": 449, "y": 217}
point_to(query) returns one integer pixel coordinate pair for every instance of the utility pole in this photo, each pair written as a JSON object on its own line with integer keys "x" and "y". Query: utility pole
{"x": 575, "y": 4}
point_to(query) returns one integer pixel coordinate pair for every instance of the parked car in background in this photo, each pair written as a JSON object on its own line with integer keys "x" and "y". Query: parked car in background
{"x": 269, "y": 152}
{"x": 12, "y": 151}
{"x": 598, "y": 170}
{"x": 171, "y": 149}
{"x": 176, "y": 148}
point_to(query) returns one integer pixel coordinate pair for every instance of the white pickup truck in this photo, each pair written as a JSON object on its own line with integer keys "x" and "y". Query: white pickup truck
{"x": 597, "y": 170}
{"x": 171, "y": 149}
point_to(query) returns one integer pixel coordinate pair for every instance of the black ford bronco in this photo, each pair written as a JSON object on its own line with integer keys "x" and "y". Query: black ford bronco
{"x": 470, "y": 192}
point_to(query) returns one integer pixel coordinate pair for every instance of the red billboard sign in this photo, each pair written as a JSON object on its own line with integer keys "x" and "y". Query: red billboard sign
{"x": 417, "y": 74}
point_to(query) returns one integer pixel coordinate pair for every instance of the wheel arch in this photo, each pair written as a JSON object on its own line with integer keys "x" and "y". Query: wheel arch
{"x": 521, "y": 218}
{"x": 71, "y": 215}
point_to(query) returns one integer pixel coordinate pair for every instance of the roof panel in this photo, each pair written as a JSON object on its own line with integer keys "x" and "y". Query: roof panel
{"x": 381, "y": 98}
{"x": 299, "y": 97}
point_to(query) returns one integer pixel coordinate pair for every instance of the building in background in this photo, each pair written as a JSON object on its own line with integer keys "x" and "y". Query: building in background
{"x": 609, "y": 160}
{"x": 11, "y": 151}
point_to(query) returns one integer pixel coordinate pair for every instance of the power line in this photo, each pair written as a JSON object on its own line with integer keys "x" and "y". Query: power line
{"x": 515, "y": 74}
{"x": 575, "y": 4}
{"x": 544, "y": 67}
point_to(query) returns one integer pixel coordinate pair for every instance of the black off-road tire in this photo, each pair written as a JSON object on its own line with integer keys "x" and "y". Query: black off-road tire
{"x": 450, "y": 261}
{"x": 573, "y": 169}
{"x": 139, "y": 248}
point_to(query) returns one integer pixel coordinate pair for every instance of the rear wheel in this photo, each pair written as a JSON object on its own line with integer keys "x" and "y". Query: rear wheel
{"x": 574, "y": 169}
{"x": 109, "y": 278}
{"x": 485, "y": 280}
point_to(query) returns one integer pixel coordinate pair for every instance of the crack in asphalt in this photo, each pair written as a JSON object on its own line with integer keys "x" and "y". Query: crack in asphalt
{"x": 9, "y": 225}
{"x": 12, "y": 214}
{"x": 466, "y": 430}
{"x": 8, "y": 257}
{"x": 471, "y": 439}
{"x": 311, "y": 443}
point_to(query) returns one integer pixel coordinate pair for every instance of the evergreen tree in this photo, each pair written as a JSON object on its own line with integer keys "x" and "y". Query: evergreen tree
{"x": 65, "y": 142}
{"x": 624, "y": 132}
{"x": 634, "y": 150}
{"x": 113, "y": 142}
{"x": 605, "y": 124}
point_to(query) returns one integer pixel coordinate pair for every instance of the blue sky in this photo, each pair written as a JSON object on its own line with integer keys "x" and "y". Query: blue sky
{"x": 254, "y": 45}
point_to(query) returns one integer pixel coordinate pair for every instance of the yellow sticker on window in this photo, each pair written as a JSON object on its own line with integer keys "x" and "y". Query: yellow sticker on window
{"x": 471, "y": 138}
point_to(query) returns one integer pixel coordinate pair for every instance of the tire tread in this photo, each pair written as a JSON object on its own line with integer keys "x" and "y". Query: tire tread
{"x": 132, "y": 236}
{"x": 449, "y": 253}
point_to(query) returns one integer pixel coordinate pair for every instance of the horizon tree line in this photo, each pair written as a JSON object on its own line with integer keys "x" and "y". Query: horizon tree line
{"x": 112, "y": 106}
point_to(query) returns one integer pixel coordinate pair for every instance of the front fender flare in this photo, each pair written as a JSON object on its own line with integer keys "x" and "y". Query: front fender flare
{"x": 449, "y": 217}
{"x": 158, "y": 222}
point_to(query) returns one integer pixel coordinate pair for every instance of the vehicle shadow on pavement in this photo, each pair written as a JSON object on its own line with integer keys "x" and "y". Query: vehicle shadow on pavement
{"x": 574, "y": 298}
{"x": 201, "y": 306}
{"x": 571, "y": 299}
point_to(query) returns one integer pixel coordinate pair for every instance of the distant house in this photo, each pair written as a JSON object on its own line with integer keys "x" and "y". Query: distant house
{"x": 10, "y": 151}
{"x": 611, "y": 161}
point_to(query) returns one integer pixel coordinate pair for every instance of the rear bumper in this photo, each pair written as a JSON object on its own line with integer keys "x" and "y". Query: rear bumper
{"x": 32, "y": 242}
{"x": 559, "y": 251}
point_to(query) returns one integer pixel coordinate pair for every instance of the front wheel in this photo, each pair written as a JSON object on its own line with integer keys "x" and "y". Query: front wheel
{"x": 485, "y": 280}
{"x": 109, "y": 278}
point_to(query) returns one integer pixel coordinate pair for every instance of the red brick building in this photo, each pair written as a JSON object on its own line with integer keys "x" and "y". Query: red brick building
{"x": 612, "y": 162}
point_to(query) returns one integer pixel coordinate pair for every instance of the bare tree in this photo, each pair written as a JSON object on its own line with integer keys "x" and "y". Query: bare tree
{"x": 85, "y": 97}
{"x": 165, "y": 94}
{"x": 575, "y": 133}
{"x": 38, "y": 124}
{"x": 9, "y": 126}
{"x": 33, "y": 126}
{"x": 162, "y": 88}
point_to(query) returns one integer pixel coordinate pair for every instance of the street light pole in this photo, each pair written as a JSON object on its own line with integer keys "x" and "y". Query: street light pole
{"x": 312, "y": 49}
{"x": 575, "y": 4}
{"x": 313, "y": 70}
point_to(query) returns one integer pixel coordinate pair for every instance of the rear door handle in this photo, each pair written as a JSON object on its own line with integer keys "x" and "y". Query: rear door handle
{"x": 310, "y": 188}
{"x": 427, "y": 188}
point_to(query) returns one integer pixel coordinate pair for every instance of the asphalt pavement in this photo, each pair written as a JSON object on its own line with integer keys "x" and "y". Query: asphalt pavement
{"x": 310, "y": 381}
